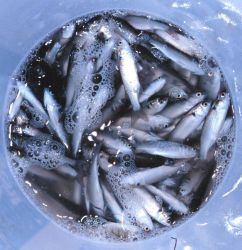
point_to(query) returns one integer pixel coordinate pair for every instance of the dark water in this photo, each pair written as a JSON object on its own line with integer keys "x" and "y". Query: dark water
{"x": 54, "y": 176}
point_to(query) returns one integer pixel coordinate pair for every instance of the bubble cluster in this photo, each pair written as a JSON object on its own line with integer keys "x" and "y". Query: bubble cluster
{"x": 44, "y": 151}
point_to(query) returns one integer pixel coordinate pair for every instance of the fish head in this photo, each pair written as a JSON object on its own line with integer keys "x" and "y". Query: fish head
{"x": 163, "y": 218}
{"x": 222, "y": 101}
{"x": 68, "y": 30}
{"x": 197, "y": 97}
{"x": 158, "y": 103}
{"x": 202, "y": 109}
{"x": 177, "y": 93}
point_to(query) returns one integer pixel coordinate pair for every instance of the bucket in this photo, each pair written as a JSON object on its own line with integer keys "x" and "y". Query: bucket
{"x": 218, "y": 27}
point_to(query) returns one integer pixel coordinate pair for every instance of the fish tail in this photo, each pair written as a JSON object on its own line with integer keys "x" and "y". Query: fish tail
{"x": 135, "y": 104}
{"x": 76, "y": 141}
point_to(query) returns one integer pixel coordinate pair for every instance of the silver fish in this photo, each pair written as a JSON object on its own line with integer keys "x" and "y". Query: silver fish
{"x": 22, "y": 118}
{"x": 155, "y": 106}
{"x": 27, "y": 94}
{"x": 152, "y": 175}
{"x": 129, "y": 74}
{"x": 94, "y": 189}
{"x": 190, "y": 122}
{"x": 179, "y": 58}
{"x": 167, "y": 149}
{"x": 113, "y": 204}
{"x": 165, "y": 132}
{"x": 228, "y": 123}
{"x": 85, "y": 194}
{"x": 192, "y": 182}
{"x": 105, "y": 32}
{"x": 211, "y": 83}
{"x": 136, "y": 134}
{"x": 54, "y": 115}
{"x": 120, "y": 230}
{"x": 152, "y": 207}
{"x": 15, "y": 106}
{"x": 183, "y": 43}
{"x": 152, "y": 89}
{"x": 67, "y": 171}
{"x": 182, "y": 107}
{"x": 114, "y": 144}
{"x": 116, "y": 105}
{"x": 104, "y": 163}
{"x": 176, "y": 204}
{"x": 148, "y": 123}
{"x": 213, "y": 124}
{"x": 78, "y": 65}
{"x": 26, "y": 130}
{"x": 64, "y": 37}
{"x": 77, "y": 75}
{"x": 45, "y": 152}
{"x": 83, "y": 115}
{"x": 142, "y": 23}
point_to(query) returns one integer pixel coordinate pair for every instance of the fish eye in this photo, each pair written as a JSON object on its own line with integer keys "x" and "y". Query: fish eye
{"x": 146, "y": 229}
{"x": 193, "y": 113}
{"x": 205, "y": 104}
{"x": 210, "y": 74}
{"x": 166, "y": 125}
{"x": 198, "y": 94}
{"x": 223, "y": 94}
{"x": 179, "y": 96}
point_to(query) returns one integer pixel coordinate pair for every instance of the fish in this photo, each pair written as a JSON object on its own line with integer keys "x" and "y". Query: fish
{"x": 190, "y": 122}
{"x": 211, "y": 83}
{"x": 27, "y": 94}
{"x": 117, "y": 103}
{"x": 45, "y": 152}
{"x": 183, "y": 43}
{"x": 152, "y": 89}
{"x": 79, "y": 66}
{"x": 26, "y": 130}
{"x": 167, "y": 149}
{"x": 67, "y": 171}
{"x": 178, "y": 57}
{"x": 141, "y": 215}
{"x": 152, "y": 207}
{"x": 171, "y": 200}
{"x": 165, "y": 132}
{"x": 136, "y": 134}
{"x": 180, "y": 108}
{"x": 94, "y": 190}
{"x": 228, "y": 123}
{"x": 155, "y": 106}
{"x": 152, "y": 175}
{"x": 85, "y": 195}
{"x": 120, "y": 230}
{"x": 53, "y": 108}
{"x": 89, "y": 106}
{"x": 148, "y": 123}
{"x": 192, "y": 181}
{"x": 14, "y": 107}
{"x": 114, "y": 144}
{"x": 104, "y": 163}
{"x": 143, "y": 23}
{"x": 112, "y": 203}
{"x": 213, "y": 124}
{"x": 63, "y": 38}
{"x": 175, "y": 92}
{"x": 129, "y": 74}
